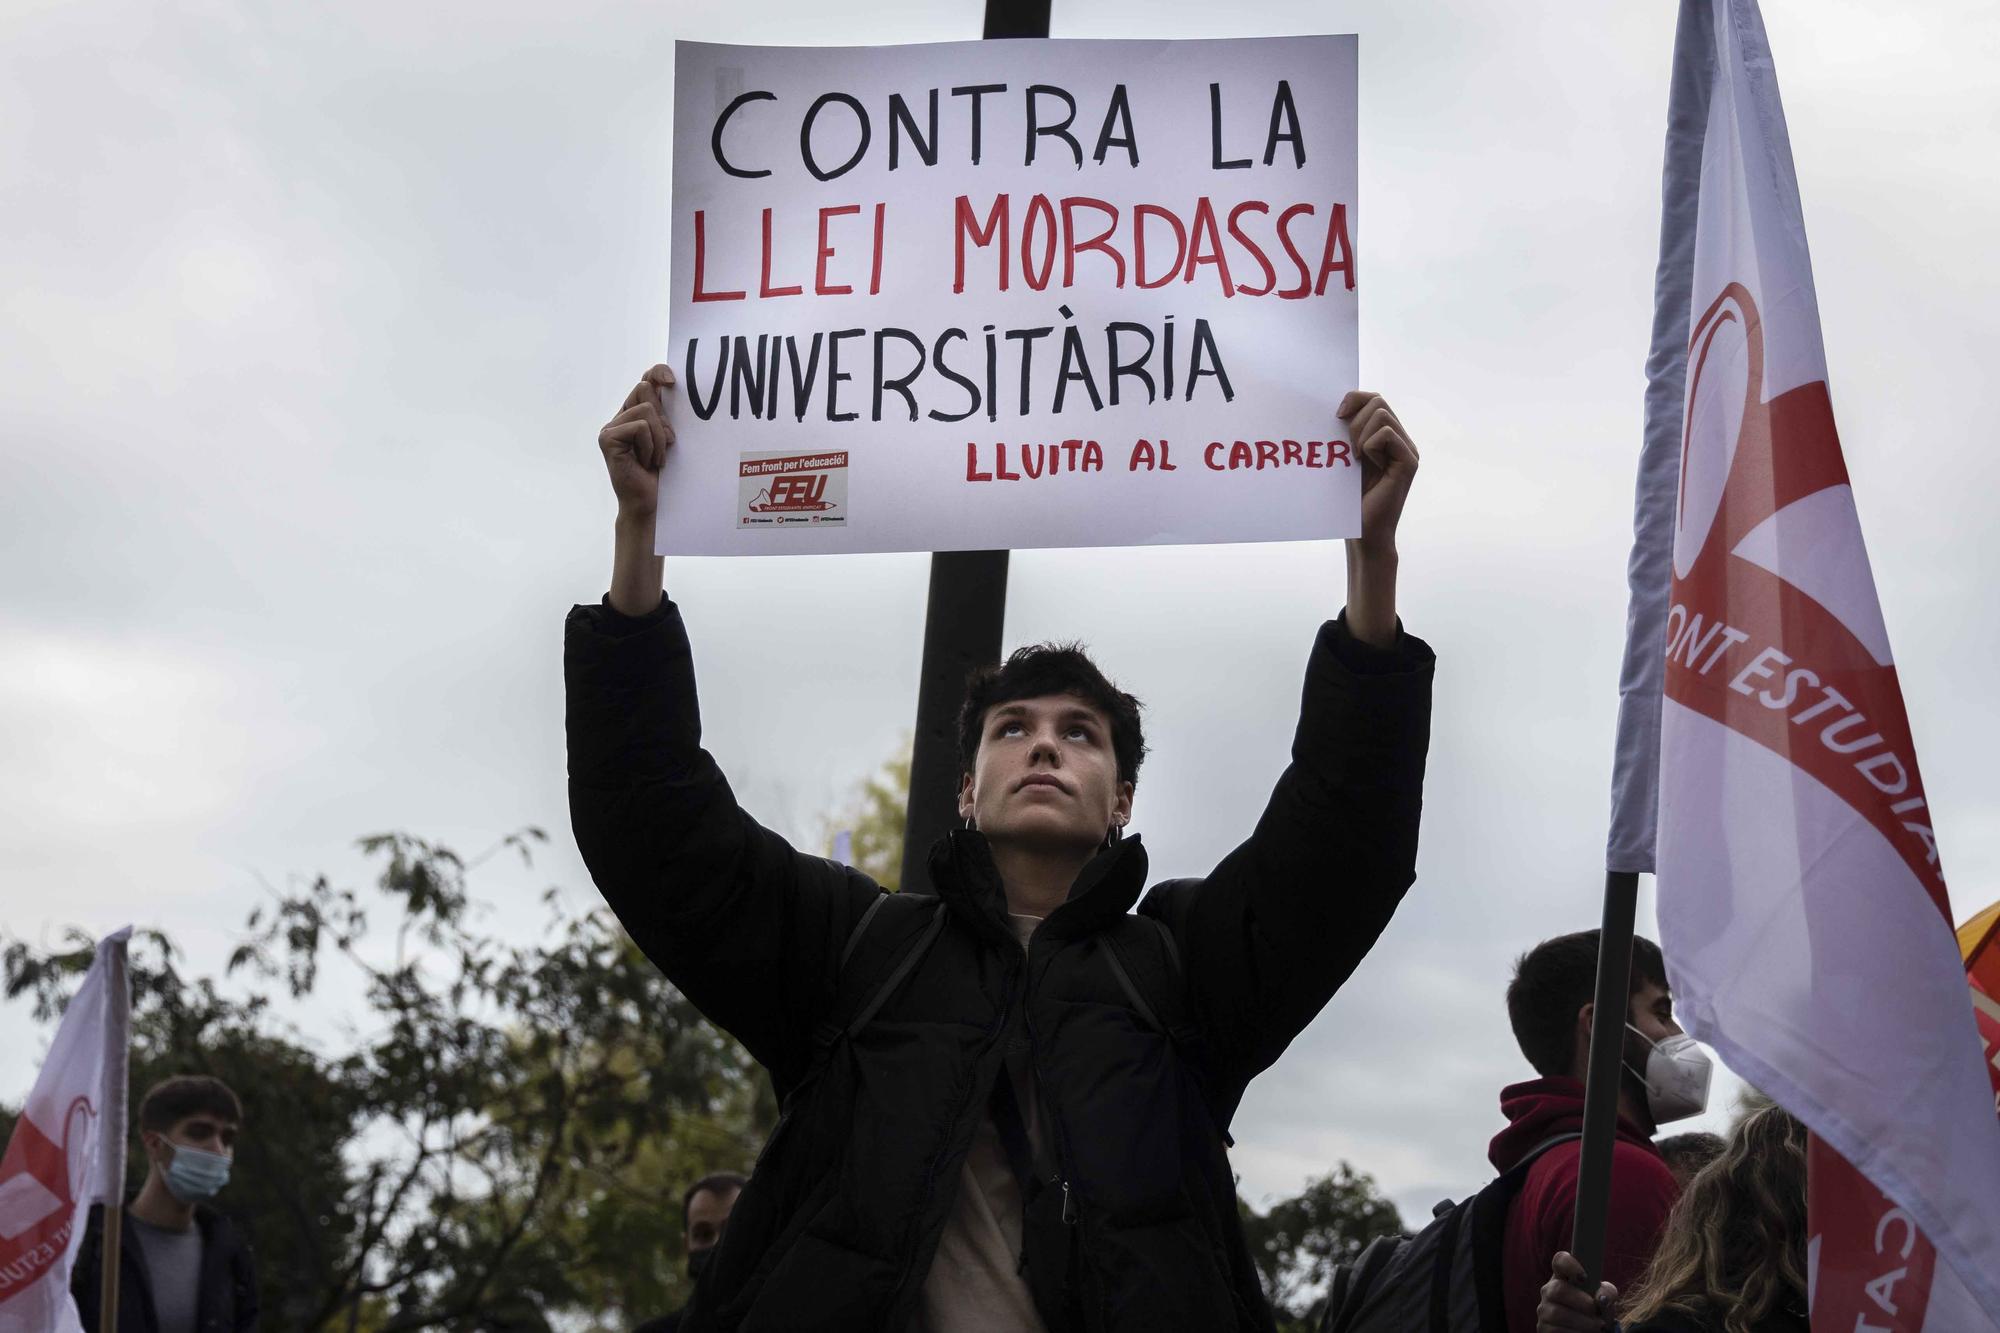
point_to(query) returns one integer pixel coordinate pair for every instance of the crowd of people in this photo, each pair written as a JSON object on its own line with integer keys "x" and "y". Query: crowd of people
{"x": 1707, "y": 1234}
{"x": 1006, "y": 1100}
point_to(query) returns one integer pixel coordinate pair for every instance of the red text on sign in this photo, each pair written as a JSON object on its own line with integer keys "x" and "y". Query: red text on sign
{"x": 1135, "y": 245}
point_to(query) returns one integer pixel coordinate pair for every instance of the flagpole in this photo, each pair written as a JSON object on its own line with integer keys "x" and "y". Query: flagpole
{"x": 1649, "y": 574}
{"x": 107, "y": 1290}
{"x": 113, "y": 1101}
{"x": 1608, "y": 1017}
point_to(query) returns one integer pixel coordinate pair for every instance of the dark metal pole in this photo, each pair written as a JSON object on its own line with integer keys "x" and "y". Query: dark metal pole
{"x": 1017, "y": 18}
{"x": 966, "y": 611}
{"x": 968, "y": 603}
{"x": 1600, "y": 1088}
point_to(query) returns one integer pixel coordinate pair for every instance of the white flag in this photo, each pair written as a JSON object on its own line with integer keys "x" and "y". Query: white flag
{"x": 67, "y": 1150}
{"x": 1802, "y": 909}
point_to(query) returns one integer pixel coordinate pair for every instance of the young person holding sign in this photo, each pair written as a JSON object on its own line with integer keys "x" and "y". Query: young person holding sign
{"x": 1006, "y": 1099}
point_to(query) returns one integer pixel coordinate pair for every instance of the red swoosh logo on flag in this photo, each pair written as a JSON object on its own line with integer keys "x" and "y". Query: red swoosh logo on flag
{"x": 1751, "y": 650}
{"x": 1748, "y": 648}
{"x": 37, "y": 1200}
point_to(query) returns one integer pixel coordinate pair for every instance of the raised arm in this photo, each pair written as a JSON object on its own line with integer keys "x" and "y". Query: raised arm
{"x": 1388, "y": 466}
{"x": 1285, "y": 918}
{"x": 747, "y": 927}
{"x": 634, "y": 444}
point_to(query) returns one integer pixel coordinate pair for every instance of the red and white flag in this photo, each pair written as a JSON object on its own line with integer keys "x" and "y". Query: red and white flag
{"x": 1802, "y": 907}
{"x": 1871, "y": 1268}
{"x": 67, "y": 1150}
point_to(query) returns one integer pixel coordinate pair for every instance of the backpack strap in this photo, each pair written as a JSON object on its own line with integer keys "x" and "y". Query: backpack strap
{"x": 1166, "y": 1010}
{"x": 901, "y": 972}
{"x": 860, "y": 929}
{"x": 1175, "y": 1025}
{"x": 829, "y": 1033}
{"x": 1519, "y": 1171}
{"x": 1146, "y": 1011}
{"x": 1489, "y": 1226}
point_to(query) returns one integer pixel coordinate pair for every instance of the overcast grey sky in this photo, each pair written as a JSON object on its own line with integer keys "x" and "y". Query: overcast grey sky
{"x": 312, "y": 313}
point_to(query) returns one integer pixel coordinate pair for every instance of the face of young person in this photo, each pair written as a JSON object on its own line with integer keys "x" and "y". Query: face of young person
{"x": 206, "y": 1132}
{"x": 1653, "y": 1014}
{"x": 708, "y": 1215}
{"x": 1045, "y": 775}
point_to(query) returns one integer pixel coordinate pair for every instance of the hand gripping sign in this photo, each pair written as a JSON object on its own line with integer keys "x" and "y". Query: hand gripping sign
{"x": 1011, "y": 294}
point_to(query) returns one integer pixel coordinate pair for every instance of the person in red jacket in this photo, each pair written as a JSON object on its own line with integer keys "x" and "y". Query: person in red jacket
{"x": 1550, "y": 1004}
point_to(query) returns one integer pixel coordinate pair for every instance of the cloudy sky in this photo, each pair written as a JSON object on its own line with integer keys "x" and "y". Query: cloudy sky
{"x": 312, "y": 313}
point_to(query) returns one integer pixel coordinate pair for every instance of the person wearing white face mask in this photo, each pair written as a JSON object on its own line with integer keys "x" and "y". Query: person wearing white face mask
{"x": 183, "y": 1268}
{"x": 1676, "y": 1073}
{"x": 1550, "y": 1005}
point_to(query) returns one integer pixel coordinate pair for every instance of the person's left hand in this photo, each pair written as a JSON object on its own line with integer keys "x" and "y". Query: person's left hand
{"x": 1388, "y": 466}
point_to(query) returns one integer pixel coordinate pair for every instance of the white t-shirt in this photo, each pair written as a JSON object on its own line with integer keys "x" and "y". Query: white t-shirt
{"x": 976, "y": 1284}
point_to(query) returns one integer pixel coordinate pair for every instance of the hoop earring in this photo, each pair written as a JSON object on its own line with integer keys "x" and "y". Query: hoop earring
{"x": 1115, "y": 834}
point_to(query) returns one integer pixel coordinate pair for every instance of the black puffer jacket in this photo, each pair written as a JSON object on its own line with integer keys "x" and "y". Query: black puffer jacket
{"x": 839, "y": 1223}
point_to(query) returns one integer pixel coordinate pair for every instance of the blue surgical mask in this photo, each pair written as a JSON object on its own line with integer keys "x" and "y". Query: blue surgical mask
{"x": 195, "y": 1175}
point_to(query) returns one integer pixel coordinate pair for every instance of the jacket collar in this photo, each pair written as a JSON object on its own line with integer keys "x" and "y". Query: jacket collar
{"x": 962, "y": 871}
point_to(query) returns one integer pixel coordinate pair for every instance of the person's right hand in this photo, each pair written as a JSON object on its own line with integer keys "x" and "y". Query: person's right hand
{"x": 1566, "y": 1307}
{"x": 634, "y": 444}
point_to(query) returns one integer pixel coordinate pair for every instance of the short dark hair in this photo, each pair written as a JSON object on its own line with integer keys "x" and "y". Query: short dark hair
{"x": 173, "y": 1100}
{"x": 1555, "y": 979}
{"x": 717, "y": 1183}
{"x": 1043, "y": 669}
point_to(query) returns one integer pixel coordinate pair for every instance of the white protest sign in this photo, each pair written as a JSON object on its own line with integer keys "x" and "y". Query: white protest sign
{"x": 1011, "y": 294}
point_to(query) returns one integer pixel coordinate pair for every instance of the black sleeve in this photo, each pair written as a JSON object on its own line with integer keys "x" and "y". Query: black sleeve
{"x": 748, "y": 928}
{"x": 1271, "y": 934}
{"x": 86, "y": 1277}
{"x": 243, "y": 1278}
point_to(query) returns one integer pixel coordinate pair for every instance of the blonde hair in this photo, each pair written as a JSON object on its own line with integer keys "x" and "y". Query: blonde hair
{"x": 1734, "y": 1246}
